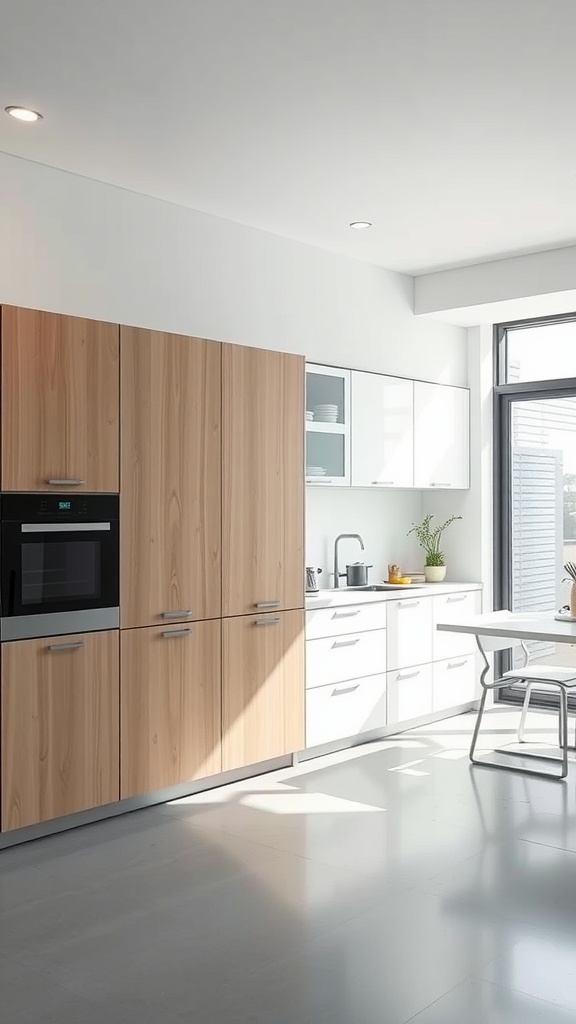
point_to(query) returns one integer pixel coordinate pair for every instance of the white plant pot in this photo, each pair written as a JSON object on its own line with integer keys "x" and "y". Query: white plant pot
{"x": 434, "y": 573}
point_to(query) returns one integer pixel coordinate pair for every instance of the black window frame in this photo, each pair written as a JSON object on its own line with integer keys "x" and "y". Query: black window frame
{"x": 504, "y": 394}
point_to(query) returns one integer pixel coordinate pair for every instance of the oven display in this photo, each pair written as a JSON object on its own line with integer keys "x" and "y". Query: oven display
{"x": 64, "y": 506}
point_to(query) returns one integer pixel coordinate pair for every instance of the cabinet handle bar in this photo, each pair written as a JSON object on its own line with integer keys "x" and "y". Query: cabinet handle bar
{"x": 73, "y": 646}
{"x": 270, "y": 620}
{"x": 65, "y": 483}
{"x": 168, "y": 633}
{"x": 178, "y": 614}
{"x": 267, "y": 604}
{"x": 346, "y": 643}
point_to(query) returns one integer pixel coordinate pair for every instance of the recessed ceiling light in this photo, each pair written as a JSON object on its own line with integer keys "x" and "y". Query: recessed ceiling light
{"x": 23, "y": 114}
{"x": 360, "y": 225}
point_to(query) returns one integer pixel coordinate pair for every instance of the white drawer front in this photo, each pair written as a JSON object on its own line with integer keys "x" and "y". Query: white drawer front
{"x": 454, "y": 682}
{"x": 352, "y": 656}
{"x": 409, "y": 632}
{"x": 334, "y": 621}
{"x": 454, "y": 608}
{"x": 409, "y": 693}
{"x": 347, "y": 709}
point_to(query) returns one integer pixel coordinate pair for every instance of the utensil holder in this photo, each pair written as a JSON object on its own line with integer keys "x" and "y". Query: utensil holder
{"x": 573, "y": 600}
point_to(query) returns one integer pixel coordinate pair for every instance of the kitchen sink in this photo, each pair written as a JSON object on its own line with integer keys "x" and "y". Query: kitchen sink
{"x": 386, "y": 586}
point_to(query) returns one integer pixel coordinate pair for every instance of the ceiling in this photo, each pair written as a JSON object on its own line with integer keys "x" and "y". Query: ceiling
{"x": 447, "y": 123}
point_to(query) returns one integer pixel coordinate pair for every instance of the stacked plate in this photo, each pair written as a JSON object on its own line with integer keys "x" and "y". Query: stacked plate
{"x": 309, "y": 416}
{"x": 315, "y": 471}
{"x": 326, "y": 413}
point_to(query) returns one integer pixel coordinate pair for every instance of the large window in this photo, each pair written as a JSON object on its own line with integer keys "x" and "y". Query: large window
{"x": 535, "y": 458}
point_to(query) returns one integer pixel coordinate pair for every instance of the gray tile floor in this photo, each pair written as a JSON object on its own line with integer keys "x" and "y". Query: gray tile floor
{"x": 385, "y": 885}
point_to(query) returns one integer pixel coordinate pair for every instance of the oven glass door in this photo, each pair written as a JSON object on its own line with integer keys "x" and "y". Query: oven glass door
{"x": 58, "y": 567}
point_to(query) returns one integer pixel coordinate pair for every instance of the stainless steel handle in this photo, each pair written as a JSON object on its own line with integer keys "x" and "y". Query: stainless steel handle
{"x": 176, "y": 632}
{"x": 66, "y": 483}
{"x": 408, "y": 675}
{"x": 179, "y": 614}
{"x": 384, "y": 483}
{"x": 270, "y": 620}
{"x": 408, "y": 604}
{"x": 346, "y": 643}
{"x": 267, "y": 604}
{"x": 457, "y": 664}
{"x": 459, "y": 597}
{"x": 72, "y": 646}
{"x": 346, "y": 615}
{"x": 317, "y": 480}
{"x": 64, "y": 527}
{"x": 347, "y": 689}
{"x": 436, "y": 484}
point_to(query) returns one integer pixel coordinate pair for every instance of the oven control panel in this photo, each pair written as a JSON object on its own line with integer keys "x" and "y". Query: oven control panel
{"x": 54, "y": 508}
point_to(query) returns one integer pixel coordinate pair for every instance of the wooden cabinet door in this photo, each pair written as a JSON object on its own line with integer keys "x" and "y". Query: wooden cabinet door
{"x": 441, "y": 436}
{"x": 170, "y": 478}
{"x": 60, "y": 726}
{"x": 262, "y": 687}
{"x": 263, "y": 480}
{"x": 60, "y": 392}
{"x": 382, "y": 431}
{"x": 171, "y": 706}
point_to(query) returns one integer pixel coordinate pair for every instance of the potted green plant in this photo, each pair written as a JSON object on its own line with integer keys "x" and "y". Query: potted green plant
{"x": 429, "y": 539}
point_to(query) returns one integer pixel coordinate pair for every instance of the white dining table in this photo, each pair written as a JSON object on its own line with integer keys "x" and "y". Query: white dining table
{"x": 495, "y": 631}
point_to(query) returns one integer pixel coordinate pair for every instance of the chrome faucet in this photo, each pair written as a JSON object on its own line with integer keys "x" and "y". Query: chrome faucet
{"x": 342, "y": 536}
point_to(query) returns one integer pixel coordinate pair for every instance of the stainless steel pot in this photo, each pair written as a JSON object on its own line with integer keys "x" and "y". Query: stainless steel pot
{"x": 356, "y": 574}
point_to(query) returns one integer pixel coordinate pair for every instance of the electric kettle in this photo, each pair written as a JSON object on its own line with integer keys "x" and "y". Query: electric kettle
{"x": 312, "y": 579}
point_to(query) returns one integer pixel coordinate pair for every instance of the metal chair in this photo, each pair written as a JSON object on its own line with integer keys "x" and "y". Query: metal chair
{"x": 556, "y": 678}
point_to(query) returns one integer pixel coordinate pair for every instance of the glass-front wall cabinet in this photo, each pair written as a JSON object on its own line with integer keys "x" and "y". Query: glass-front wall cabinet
{"x": 327, "y": 425}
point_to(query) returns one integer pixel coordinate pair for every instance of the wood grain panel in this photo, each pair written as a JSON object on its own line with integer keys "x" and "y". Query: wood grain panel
{"x": 60, "y": 401}
{"x": 263, "y": 479}
{"x": 60, "y": 727}
{"x": 170, "y": 477}
{"x": 170, "y": 706}
{"x": 262, "y": 687}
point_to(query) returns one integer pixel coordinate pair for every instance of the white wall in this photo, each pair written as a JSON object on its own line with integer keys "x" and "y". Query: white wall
{"x": 468, "y": 544}
{"x": 381, "y": 518}
{"x": 78, "y": 246}
{"x": 537, "y": 284}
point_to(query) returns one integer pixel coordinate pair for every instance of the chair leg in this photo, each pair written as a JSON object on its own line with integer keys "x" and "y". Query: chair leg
{"x": 564, "y": 731}
{"x": 478, "y": 724}
{"x": 524, "y": 713}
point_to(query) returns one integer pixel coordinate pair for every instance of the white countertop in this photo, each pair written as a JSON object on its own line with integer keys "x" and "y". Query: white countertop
{"x": 331, "y": 598}
{"x": 515, "y": 625}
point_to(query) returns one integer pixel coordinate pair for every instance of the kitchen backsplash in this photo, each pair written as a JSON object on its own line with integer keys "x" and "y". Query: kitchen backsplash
{"x": 382, "y": 518}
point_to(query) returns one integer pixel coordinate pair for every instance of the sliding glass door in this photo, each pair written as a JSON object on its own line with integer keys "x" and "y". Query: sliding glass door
{"x": 535, "y": 506}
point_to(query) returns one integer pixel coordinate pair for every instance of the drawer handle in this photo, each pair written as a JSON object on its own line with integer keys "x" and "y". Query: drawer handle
{"x": 436, "y": 484}
{"x": 346, "y": 689}
{"x": 408, "y": 675}
{"x": 267, "y": 604}
{"x": 346, "y": 615}
{"x": 459, "y": 597}
{"x": 317, "y": 480}
{"x": 408, "y": 604}
{"x": 346, "y": 643}
{"x": 457, "y": 664}
{"x": 384, "y": 483}
{"x": 72, "y": 646}
{"x": 65, "y": 483}
{"x": 178, "y": 614}
{"x": 169, "y": 633}
{"x": 270, "y": 620}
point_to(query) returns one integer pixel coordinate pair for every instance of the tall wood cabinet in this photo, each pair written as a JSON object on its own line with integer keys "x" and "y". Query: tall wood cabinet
{"x": 60, "y": 393}
{"x": 170, "y": 706}
{"x": 170, "y": 478}
{"x": 262, "y": 480}
{"x": 262, "y": 687}
{"x": 60, "y": 726}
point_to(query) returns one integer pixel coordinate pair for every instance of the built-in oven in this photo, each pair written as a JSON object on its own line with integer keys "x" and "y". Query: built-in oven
{"x": 59, "y": 564}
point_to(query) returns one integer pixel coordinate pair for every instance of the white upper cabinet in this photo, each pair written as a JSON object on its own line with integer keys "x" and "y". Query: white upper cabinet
{"x": 441, "y": 436}
{"x": 327, "y": 425}
{"x": 382, "y": 431}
